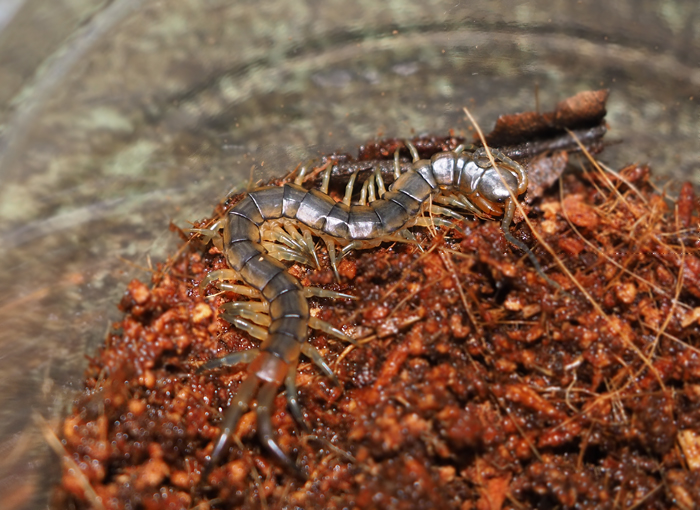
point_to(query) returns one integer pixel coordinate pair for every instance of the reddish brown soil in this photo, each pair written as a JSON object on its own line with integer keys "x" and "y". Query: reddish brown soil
{"x": 477, "y": 384}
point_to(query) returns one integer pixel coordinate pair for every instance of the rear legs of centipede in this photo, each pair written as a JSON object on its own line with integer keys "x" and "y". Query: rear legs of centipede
{"x": 253, "y": 317}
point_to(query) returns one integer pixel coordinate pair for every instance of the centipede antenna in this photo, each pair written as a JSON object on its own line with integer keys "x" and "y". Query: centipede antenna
{"x": 347, "y": 199}
{"x": 397, "y": 165}
{"x": 326, "y": 178}
{"x": 505, "y": 227}
{"x": 412, "y": 149}
{"x": 481, "y": 159}
{"x": 468, "y": 148}
{"x": 519, "y": 171}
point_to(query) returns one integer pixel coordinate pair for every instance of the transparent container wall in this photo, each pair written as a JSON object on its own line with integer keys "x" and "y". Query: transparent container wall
{"x": 120, "y": 117}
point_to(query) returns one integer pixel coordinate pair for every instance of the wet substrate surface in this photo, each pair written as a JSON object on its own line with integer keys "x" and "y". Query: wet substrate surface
{"x": 477, "y": 384}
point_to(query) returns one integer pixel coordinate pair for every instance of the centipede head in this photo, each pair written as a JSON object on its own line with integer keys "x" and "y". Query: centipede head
{"x": 498, "y": 188}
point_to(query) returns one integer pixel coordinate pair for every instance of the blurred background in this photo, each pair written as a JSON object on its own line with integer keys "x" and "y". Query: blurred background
{"x": 119, "y": 117}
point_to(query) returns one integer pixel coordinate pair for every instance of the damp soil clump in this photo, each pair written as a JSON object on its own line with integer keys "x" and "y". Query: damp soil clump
{"x": 477, "y": 385}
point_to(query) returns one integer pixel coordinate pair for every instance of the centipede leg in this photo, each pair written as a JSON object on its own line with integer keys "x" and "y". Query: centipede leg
{"x": 349, "y": 247}
{"x": 284, "y": 253}
{"x": 442, "y": 211}
{"x": 459, "y": 201}
{"x": 347, "y": 199}
{"x": 404, "y": 236}
{"x": 229, "y": 360}
{"x": 312, "y": 247}
{"x": 330, "y": 246}
{"x": 408, "y": 236}
{"x": 245, "y": 313}
{"x": 324, "y": 293}
{"x": 412, "y": 149}
{"x": 293, "y": 397}
{"x": 363, "y": 193}
{"x": 437, "y": 222}
{"x": 324, "y": 326}
{"x": 371, "y": 195}
{"x": 312, "y": 353}
{"x": 381, "y": 187}
{"x": 299, "y": 180}
{"x": 242, "y": 324}
{"x": 397, "y": 165}
{"x": 304, "y": 241}
{"x": 266, "y": 398}
{"x": 278, "y": 234}
{"x": 236, "y": 410}
{"x": 218, "y": 275}
{"x": 210, "y": 234}
{"x": 326, "y": 178}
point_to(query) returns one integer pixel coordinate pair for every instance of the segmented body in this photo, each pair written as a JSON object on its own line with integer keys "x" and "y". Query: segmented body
{"x": 459, "y": 179}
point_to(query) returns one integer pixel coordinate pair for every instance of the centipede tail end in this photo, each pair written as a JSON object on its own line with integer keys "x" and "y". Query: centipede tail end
{"x": 233, "y": 415}
{"x": 266, "y": 399}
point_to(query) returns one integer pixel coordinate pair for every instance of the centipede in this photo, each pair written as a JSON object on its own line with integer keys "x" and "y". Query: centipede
{"x": 274, "y": 224}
